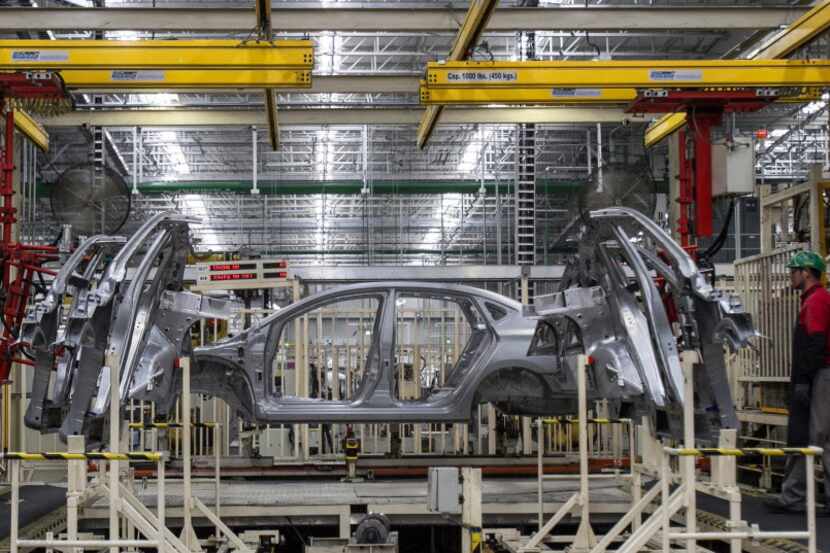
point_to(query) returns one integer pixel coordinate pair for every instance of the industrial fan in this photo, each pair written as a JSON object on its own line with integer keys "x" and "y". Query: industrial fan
{"x": 620, "y": 185}
{"x": 92, "y": 200}
{"x": 624, "y": 185}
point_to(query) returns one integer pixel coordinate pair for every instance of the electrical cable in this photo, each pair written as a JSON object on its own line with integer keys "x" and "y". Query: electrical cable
{"x": 592, "y": 45}
{"x": 294, "y": 528}
{"x": 720, "y": 240}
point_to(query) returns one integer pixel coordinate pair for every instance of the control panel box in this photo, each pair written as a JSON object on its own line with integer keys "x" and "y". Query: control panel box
{"x": 733, "y": 168}
{"x": 444, "y": 490}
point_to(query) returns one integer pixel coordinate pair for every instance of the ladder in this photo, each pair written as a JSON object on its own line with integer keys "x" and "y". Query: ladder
{"x": 525, "y": 197}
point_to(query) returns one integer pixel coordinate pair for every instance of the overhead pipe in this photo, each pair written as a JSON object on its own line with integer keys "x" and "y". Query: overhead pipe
{"x": 351, "y": 186}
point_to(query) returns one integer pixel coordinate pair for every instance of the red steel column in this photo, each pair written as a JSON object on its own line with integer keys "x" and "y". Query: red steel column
{"x": 702, "y": 128}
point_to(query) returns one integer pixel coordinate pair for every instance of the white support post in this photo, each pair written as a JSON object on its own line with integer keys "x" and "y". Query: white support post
{"x": 188, "y": 533}
{"x": 491, "y": 429}
{"x": 344, "y": 520}
{"x": 254, "y": 167}
{"x": 115, "y": 443}
{"x": 636, "y": 476}
{"x": 471, "y": 510}
{"x": 14, "y": 467}
{"x": 811, "y": 503}
{"x": 688, "y": 360}
{"x": 600, "y": 160}
{"x": 160, "y": 504}
{"x": 136, "y": 161}
{"x": 724, "y": 484}
{"x": 665, "y": 480}
{"x": 585, "y": 538}
{"x": 540, "y": 473}
{"x": 76, "y": 484}
{"x": 217, "y": 474}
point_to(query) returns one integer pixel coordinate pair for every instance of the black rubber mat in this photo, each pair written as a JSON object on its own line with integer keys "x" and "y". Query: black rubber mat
{"x": 36, "y": 501}
{"x": 754, "y": 512}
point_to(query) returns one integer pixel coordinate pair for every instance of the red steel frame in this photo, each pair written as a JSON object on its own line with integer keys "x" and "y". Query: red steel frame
{"x": 704, "y": 110}
{"x": 24, "y": 260}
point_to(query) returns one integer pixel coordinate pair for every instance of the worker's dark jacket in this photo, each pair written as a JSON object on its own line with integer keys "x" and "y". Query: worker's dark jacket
{"x": 811, "y": 353}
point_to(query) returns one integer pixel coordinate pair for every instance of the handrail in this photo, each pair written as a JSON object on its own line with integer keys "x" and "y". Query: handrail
{"x": 88, "y": 456}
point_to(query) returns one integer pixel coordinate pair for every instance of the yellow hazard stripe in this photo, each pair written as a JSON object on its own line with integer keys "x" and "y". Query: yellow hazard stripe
{"x": 162, "y": 425}
{"x": 91, "y": 456}
{"x": 733, "y": 452}
{"x": 560, "y": 420}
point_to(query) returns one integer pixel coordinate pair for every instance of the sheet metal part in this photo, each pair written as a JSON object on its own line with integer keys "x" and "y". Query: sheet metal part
{"x": 520, "y": 358}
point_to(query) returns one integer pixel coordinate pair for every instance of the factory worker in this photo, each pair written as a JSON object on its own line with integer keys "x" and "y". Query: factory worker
{"x": 809, "y": 394}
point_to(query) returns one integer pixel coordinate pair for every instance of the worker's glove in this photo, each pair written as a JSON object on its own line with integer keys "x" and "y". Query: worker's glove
{"x": 801, "y": 394}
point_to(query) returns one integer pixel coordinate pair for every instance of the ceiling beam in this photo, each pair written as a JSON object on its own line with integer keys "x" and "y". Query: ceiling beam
{"x": 214, "y": 118}
{"x": 800, "y": 32}
{"x": 31, "y": 129}
{"x": 266, "y": 32}
{"x": 475, "y": 21}
{"x": 301, "y": 20}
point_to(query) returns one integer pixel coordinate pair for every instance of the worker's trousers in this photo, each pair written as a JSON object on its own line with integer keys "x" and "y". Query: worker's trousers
{"x": 794, "y": 487}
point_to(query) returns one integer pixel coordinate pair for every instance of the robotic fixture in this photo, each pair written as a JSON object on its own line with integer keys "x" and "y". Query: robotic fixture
{"x": 632, "y": 300}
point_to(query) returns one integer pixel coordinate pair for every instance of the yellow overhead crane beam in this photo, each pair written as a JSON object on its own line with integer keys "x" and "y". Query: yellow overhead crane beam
{"x": 799, "y": 33}
{"x": 167, "y": 64}
{"x": 263, "y": 18}
{"x": 548, "y": 82}
{"x": 30, "y": 128}
{"x": 663, "y": 127}
{"x": 154, "y": 54}
{"x": 431, "y": 95}
{"x": 183, "y": 79}
{"x": 475, "y": 21}
{"x": 172, "y": 64}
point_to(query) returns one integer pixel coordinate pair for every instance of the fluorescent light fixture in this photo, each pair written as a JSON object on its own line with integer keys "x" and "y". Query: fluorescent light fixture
{"x": 158, "y": 99}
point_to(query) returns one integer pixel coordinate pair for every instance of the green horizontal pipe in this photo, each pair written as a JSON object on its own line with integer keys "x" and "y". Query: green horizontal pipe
{"x": 346, "y": 186}
{"x": 349, "y": 186}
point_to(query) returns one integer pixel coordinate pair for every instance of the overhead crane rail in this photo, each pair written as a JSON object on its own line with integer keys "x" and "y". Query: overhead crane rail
{"x": 553, "y": 82}
{"x": 154, "y": 54}
{"x": 167, "y": 64}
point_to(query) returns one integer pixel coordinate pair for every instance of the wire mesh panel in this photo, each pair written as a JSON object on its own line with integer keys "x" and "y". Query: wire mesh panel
{"x": 762, "y": 281}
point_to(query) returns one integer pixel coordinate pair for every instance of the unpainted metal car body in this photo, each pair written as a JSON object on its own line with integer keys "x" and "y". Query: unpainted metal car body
{"x": 631, "y": 299}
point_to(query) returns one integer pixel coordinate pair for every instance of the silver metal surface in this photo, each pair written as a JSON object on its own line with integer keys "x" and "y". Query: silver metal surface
{"x": 521, "y": 359}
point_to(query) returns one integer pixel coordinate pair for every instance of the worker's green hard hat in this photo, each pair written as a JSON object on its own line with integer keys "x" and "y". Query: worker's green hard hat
{"x": 807, "y": 260}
